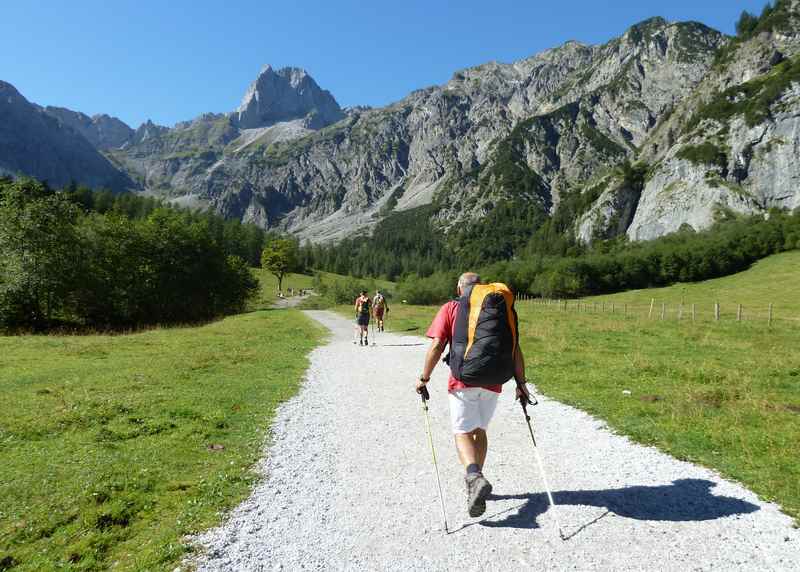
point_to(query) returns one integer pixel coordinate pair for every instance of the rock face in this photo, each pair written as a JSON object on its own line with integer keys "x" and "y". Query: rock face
{"x": 34, "y": 143}
{"x": 558, "y": 118}
{"x": 102, "y": 131}
{"x": 733, "y": 145}
{"x": 285, "y": 95}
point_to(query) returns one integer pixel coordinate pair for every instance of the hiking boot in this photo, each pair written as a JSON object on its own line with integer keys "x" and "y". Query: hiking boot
{"x": 478, "y": 489}
{"x": 366, "y": 341}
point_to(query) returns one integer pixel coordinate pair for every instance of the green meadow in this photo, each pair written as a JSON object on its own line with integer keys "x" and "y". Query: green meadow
{"x": 116, "y": 447}
{"x": 774, "y": 280}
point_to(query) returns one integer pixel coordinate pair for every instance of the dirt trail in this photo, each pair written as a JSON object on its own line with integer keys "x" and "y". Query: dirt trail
{"x": 289, "y": 302}
{"x": 349, "y": 485}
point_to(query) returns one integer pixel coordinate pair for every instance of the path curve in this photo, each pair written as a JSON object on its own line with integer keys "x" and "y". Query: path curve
{"x": 349, "y": 486}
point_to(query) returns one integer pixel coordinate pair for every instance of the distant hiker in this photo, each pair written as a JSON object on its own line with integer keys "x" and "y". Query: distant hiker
{"x": 379, "y": 308}
{"x": 363, "y": 313}
{"x": 479, "y": 365}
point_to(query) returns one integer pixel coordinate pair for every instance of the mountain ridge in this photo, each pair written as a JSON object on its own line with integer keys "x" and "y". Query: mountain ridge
{"x": 34, "y": 143}
{"x": 527, "y": 135}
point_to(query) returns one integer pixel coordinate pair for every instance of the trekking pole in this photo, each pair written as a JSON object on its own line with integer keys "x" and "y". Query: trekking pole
{"x": 372, "y": 326}
{"x": 524, "y": 402}
{"x": 425, "y": 397}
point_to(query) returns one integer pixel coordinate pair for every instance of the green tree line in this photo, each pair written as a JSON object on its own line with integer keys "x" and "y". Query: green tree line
{"x": 731, "y": 245}
{"x": 110, "y": 263}
{"x": 235, "y": 238}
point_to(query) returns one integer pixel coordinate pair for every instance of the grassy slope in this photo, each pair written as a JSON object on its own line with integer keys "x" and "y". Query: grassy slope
{"x": 725, "y": 395}
{"x": 772, "y": 280}
{"x": 114, "y": 448}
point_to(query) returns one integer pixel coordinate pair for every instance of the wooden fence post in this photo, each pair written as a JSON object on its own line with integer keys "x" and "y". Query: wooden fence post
{"x": 626, "y": 309}
{"x": 663, "y": 310}
{"x": 680, "y": 312}
{"x": 612, "y": 307}
{"x": 769, "y": 318}
{"x": 739, "y": 313}
{"x": 650, "y": 313}
{"x": 694, "y": 313}
{"x": 716, "y": 311}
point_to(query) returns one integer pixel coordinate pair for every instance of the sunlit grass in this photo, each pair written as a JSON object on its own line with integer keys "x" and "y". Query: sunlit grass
{"x": 774, "y": 280}
{"x": 115, "y": 447}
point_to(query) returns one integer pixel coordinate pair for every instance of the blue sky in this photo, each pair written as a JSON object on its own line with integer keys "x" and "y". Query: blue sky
{"x": 170, "y": 60}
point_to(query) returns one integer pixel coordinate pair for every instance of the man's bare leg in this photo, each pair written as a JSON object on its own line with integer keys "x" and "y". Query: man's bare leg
{"x": 481, "y": 446}
{"x": 472, "y": 447}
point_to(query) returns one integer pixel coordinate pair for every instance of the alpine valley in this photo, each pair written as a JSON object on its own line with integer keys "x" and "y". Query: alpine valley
{"x": 657, "y": 130}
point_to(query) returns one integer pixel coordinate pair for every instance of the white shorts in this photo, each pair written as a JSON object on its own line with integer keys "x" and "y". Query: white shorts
{"x": 471, "y": 408}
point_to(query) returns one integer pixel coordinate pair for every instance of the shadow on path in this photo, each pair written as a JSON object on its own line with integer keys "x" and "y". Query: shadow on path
{"x": 683, "y": 500}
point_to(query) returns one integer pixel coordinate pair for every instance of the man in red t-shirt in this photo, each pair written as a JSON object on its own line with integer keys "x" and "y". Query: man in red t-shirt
{"x": 471, "y": 408}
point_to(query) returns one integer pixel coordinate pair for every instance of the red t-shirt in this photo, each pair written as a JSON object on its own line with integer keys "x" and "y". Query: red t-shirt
{"x": 443, "y": 327}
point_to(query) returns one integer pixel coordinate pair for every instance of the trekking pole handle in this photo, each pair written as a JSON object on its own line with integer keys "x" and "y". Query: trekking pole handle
{"x": 423, "y": 393}
{"x": 526, "y": 401}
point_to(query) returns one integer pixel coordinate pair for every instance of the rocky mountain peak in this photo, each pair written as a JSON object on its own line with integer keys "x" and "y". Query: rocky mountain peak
{"x": 284, "y": 95}
{"x": 148, "y": 130}
{"x": 101, "y": 130}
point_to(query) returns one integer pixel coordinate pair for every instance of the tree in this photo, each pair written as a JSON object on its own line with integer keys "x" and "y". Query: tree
{"x": 747, "y": 24}
{"x": 279, "y": 257}
{"x": 39, "y": 255}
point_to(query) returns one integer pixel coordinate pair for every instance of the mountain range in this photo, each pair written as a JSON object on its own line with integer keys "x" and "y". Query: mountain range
{"x": 660, "y": 129}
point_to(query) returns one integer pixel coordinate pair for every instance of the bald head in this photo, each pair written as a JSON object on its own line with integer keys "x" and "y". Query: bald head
{"x": 467, "y": 279}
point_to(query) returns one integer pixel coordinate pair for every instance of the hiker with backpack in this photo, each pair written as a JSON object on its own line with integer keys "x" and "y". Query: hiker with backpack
{"x": 481, "y": 329}
{"x": 363, "y": 313}
{"x": 379, "y": 309}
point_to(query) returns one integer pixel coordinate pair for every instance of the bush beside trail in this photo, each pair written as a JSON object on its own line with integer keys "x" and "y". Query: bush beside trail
{"x": 62, "y": 266}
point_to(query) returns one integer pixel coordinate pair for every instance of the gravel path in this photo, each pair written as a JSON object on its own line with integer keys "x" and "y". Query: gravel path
{"x": 349, "y": 485}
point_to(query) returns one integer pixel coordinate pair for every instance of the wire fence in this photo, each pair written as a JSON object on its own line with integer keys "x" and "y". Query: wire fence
{"x": 662, "y": 310}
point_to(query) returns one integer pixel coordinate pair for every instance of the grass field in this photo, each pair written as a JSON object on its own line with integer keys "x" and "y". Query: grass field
{"x": 774, "y": 280}
{"x": 115, "y": 447}
{"x": 725, "y": 395}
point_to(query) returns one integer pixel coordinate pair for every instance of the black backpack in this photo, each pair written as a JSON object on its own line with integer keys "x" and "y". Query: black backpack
{"x": 485, "y": 339}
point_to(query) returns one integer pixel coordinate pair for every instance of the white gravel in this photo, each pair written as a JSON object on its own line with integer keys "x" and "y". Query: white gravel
{"x": 349, "y": 485}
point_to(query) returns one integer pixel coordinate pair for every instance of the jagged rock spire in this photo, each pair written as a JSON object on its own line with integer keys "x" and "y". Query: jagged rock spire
{"x": 283, "y": 95}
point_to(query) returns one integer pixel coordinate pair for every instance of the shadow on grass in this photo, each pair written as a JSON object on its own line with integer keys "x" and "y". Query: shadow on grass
{"x": 684, "y": 500}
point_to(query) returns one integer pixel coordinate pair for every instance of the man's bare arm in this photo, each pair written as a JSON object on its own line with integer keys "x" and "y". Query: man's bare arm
{"x": 431, "y": 359}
